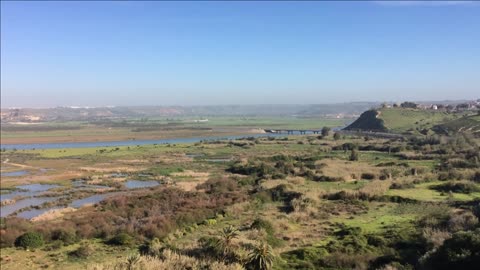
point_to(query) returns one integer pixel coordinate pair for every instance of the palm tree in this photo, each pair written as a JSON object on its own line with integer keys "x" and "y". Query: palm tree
{"x": 225, "y": 242}
{"x": 132, "y": 261}
{"x": 261, "y": 257}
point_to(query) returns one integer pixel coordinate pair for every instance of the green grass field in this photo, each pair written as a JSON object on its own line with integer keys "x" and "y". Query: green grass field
{"x": 401, "y": 119}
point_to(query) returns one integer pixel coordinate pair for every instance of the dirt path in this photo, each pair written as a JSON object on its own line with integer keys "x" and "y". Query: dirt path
{"x": 18, "y": 165}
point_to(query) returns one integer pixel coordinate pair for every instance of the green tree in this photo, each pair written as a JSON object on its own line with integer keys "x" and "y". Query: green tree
{"x": 29, "y": 240}
{"x": 261, "y": 257}
{"x": 337, "y": 136}
{"x": 325, "y": 131}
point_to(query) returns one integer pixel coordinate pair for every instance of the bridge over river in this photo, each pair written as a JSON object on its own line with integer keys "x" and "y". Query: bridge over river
{"x": 340, "y": 130}
{"x": 293, "y": 131}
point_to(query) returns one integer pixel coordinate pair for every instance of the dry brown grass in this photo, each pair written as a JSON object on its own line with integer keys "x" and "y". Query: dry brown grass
{"x": 346, "y": 169}
{"x": 169, "y": 260}
{"x": 111, "y": 169}
{"x": 195, "y": 179}
{"x": 189, "y": 173}
{"x": 189, "y": 185}
{"x": 53, "y": 214}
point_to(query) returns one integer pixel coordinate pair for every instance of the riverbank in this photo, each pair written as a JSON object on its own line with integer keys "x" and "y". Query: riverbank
{"x": 133, "y": 130}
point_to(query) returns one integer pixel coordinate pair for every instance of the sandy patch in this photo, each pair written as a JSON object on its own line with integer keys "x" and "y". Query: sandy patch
{"x": 257, "y": 131}
{"x": 53, "y": 214}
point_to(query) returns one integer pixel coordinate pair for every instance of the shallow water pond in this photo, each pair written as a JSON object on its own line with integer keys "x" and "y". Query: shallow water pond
{"x": 88, "y": 200}
{"x": 20, "y": 204}
{"x": 15, "y": 173}
{"x": 131, "y": 184}
{"x": 27, "y": 191}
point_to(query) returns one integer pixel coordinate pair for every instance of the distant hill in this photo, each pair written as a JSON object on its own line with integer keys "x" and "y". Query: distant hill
{"x": 415, "y": 121}
{"x": 97, "y": 113}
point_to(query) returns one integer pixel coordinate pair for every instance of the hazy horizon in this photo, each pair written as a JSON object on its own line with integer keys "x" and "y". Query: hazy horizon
{"x": 237, "y": 53}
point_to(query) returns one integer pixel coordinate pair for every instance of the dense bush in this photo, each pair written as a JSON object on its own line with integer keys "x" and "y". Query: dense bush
{"x": 29, "y": 240}
{"x": 142, "y": 214}
{"x": 11, "y": 228}
{"x": 462, "y": 251}
{"x": 349, "y": 240}
{"x": 458, "y": 187}
{"x": 402, "y": 185}
{"x": 65, "y": 236}
{"x": 260, "y": 169}
{"x": 121, "y": 239}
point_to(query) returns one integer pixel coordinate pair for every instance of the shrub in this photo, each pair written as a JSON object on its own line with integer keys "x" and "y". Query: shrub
{"x": 260, "y": 223}
{"x": 368, "y": 176}
{"x": 55, "y": 245}
{"x": 67, "y": 237}
{"x": 209, "y": 246}
{"x": 84, "y": 251}
{"x": 152, "y": 248}
{"x": 325, "y": 131}
{"x": 462, "y": 221}
{"x": 210, "y": 221}
{"x": 435, "y": 237}
{"x": 462, "y": 251}
{"x": 120, "y": 239}
{"x": 476, "y": 210}
{"x": 476, "y": 177}
{"x": 402, "y": 185}
{"x": 29, "y": 240}
{"x": 11, "y": 228}
{"x": 353, "y": 155}
{"x": 458, "y": 187}
{"x": 349, "y": 240}
{"x": 278, "y": 175}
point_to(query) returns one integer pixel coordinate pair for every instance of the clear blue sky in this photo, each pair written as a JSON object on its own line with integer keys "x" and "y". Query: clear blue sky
{"x": 198, "y": 53}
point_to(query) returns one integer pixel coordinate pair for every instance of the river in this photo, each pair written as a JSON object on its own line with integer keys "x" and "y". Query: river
{"x": 30, "y": 146}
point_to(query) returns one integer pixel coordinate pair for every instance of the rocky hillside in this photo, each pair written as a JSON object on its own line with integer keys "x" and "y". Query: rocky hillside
{"x": 368, "y": 121}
